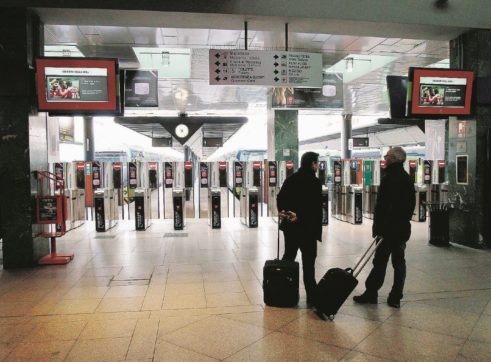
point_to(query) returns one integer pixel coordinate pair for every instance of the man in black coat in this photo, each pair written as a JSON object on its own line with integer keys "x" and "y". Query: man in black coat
{"x": 393, "y": 212}
{"x": 299, "y": 201}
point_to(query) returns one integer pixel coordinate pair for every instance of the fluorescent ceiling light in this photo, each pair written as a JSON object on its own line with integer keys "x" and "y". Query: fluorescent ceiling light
{"x": 169, "y": 62}
{"x": 62, "y": 51}
{"x": 354, "y": 66}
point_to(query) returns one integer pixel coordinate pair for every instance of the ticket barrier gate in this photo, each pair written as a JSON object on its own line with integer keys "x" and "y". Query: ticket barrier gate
{"x": 178, "y": 208}
{"x": 370, "y": 194}
{"x": 420, "y": 208}
{"x": 438, "y": 193}
{"x": 106, "y": 209}
{"x": 249, "y": 203}
{"x": 325, "y": 205}
{"x": 143, "y": 208}
{"x": 354, "y": 205}
{"x": 215, "y": 208}
{"x": 343, "y": 198}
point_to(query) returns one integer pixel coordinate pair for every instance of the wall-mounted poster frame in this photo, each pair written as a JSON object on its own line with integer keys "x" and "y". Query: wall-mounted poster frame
{"x": 462, "y": 169}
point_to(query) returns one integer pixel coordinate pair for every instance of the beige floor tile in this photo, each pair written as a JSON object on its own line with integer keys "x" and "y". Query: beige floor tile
{"x": 482, "y": 330}
{"x": 111, "y": 349}
{"x": 269, "y": 319}
{"x": 142, "y": 344}
{"x": 475, "y": 351}
{"x": 345, "y": 331}
{"x": 15, "y": 309}
{"x": 283, "y": 347}
{"x": 226, "y": 299}
{"x": 165, "y": 351}
{"x": 154, "y": 298}
{"x": 184, "y": 289}
{"x": 182, "y": 278}
{"x": 171, "y": 324}
{"x": 108, "y": 328}
{"x": 379, "y": 312}
{"x": 76, "y": 306}
{"x": 102, "y": 272}
{"x": 400, "y": 343}
{"x": 15, "y": 333}
{"x": 433, "y": 319}
{"x": 42, "y": 351}
{"x": 223, "y": 287}
{"x": 86, "y": 293}
{"x": 355, "y": 356}
{"x": 109, "y": 305}
{"x": 56, "y": 331}
{"x": 5, "y": 349}
{"x": 222, "y": 276}
{"x": 215, "y": 336}
{"x": 32, "y": 295}
{"x": 128, "y": 291}
{"x": 93, "y": 282}
{"x": 184, "y": 301}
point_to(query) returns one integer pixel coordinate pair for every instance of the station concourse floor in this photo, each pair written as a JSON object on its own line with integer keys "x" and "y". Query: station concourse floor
{"x": 195, "y": 295}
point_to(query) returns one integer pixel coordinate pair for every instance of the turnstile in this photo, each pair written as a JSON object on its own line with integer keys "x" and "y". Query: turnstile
{"x": 420, "y": 209}
{"x": 354, "y": 205}
{"x": 325, "y": 205}
{"x": 215, "y": 208}
{"x": 106, "y": 209}
{"x": 178, "y": 208}
{"x": 249, "y": 202}
{"x": 143, "y": 208}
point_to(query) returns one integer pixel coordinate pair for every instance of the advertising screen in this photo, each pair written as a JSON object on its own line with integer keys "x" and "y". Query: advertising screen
{"x": 141, "y": 88}
{"x": 440, "y": 92}
{"x": 76, "y": 84}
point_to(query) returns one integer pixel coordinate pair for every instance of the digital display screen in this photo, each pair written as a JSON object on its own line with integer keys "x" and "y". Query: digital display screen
{"x": 440, "y": 92}
{"x": 76, "y": 84}
{"x": 141, "y": 88}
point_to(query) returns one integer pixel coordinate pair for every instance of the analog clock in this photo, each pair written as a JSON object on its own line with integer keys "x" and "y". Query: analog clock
{"x": 182, "y": 130}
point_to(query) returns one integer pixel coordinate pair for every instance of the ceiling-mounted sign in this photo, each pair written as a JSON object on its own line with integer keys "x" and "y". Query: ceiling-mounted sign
{"x": 329, "y": 96}
{"x": 141, "y": 88}
{"x": 264, "y": 67}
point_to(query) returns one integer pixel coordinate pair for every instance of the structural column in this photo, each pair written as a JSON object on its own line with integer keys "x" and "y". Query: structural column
{"x": 345, "y": 136}
{"x": 23, "y": 139}
{"x": 286, "y": 135}
{"x": 89, "y": 149}
{"x": 469, "y": 219}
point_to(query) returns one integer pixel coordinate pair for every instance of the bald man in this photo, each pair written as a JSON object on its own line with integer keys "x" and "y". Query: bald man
{"x": 393, "y": 211}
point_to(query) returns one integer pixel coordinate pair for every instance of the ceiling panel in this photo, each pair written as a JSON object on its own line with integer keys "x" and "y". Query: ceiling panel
{"x": 364, "y": 44}
{"x": 146, "y": 36}
{"x": 339, "y": 42}
{"x": 59, "y": 34}
{"x": 115, "y": 35}
{"x": 224, "y": 37}
{"x": 193, "y": 37}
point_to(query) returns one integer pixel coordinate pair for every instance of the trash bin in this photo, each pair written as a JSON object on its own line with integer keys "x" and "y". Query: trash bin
{"x": 439, "y": 223}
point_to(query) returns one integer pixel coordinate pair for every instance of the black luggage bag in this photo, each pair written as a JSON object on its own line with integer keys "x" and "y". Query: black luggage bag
{"x": 280, "y": 281}
{"x": 337, "y": 284}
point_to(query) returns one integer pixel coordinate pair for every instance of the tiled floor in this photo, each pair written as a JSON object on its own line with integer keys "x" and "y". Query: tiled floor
{"x": 141, "y": 296}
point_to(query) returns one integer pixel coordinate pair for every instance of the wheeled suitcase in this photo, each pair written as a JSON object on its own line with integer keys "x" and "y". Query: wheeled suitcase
{"x": 280, "y": 281}
{"x": 337, "y": 284}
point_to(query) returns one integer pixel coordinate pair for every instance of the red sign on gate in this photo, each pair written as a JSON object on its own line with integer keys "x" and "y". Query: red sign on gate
{"x": 222, "y": 165}
{"x": 152, "y": 165}
{"x": 80, "y": 166}
{"x": 412, "y": 164}
{"x": 188, "y": 165}
{"x": 117, "y": 166}
{"x": 256, "y": 165}
{"x": 289, "y": 165}
{"x": 441, "y": 163}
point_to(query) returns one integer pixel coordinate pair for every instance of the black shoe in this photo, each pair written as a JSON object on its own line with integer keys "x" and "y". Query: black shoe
{"x": 365, "y": 299}
{"x": 394, "y": 303}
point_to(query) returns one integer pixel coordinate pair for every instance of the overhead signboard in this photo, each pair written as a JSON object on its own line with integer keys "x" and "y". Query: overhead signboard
{"x": 329, "y": 96}
{"x": 267, "y": 68}
{"x": 141, "y": 88}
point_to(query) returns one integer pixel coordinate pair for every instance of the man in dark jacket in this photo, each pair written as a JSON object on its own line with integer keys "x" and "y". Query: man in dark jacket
{"x": 299, "y": 201}
{"x": 393, "y": 212}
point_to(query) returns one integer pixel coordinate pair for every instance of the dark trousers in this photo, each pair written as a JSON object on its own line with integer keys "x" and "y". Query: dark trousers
{"x": 376, "y": 277}
{"x": 293, "y": 242}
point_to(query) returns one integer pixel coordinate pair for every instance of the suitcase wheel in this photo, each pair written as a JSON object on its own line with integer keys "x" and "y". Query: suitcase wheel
{"x": 331, "y": 317}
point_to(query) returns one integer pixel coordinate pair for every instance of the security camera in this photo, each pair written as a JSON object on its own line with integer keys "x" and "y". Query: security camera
{"x": 441, "y": 4}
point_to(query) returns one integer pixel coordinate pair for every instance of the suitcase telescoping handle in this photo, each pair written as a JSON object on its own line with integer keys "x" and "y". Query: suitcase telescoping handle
{"x": 278, "y": 250}
{"x": 366, "y": 256}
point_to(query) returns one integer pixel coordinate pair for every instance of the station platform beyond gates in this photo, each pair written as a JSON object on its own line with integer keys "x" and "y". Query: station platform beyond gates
{"x": 196, "y": 295}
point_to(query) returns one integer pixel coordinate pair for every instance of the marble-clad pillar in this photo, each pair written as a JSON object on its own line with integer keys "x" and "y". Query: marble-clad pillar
{"x": 470, "y": 217}
{"x": 23, "y": 145}
{"x": 286, "y": 136}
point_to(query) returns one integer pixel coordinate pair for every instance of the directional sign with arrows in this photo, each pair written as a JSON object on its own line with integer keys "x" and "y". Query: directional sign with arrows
{"x": 267, "y": 68}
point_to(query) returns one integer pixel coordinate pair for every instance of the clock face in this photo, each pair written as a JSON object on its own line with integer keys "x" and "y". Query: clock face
{"x": 181, "y": 130}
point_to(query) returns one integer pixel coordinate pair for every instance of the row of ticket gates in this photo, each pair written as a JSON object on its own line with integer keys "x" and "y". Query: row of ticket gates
{"x": 106, "y": 192}
{"x": 356, "y": 185}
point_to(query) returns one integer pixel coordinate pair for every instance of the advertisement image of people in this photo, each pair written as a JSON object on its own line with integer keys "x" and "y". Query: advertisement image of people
{"x": 76, "y": 84}
{"x": 442, "y": 92}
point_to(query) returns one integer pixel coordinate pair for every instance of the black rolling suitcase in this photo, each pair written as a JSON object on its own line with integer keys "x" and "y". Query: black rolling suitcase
{"x": 337, "y": 284}
{"x": 280, "y": 281}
